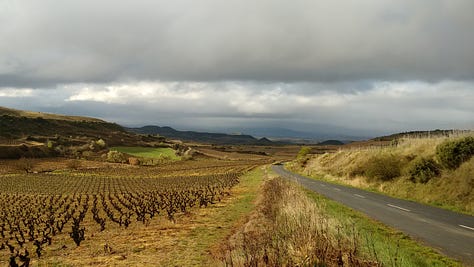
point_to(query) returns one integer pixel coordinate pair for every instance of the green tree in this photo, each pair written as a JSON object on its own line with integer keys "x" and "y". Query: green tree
{"x": 304, "y": 151}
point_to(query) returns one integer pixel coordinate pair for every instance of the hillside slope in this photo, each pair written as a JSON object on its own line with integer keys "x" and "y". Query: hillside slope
{"x": 410, "y": 168}
{"x": 24, "y": 130}
{"x": 50, "y": 116}
{"x": 18, "y": 124}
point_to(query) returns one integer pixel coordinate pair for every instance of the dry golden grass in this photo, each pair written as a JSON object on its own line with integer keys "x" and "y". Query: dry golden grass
{"x": 287, "y": 228}
{"x": 452, "y": 189}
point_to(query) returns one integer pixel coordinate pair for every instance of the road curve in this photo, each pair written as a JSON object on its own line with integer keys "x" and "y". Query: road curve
{"x": 449, "y": 232}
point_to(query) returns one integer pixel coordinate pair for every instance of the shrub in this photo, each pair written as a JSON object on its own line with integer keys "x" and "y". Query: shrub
{"x": 133, "y": 161}
{"x": 304, "y": 151}
{"x": 50, "y": 144}
{"x": 302, "y": 156}
{"x": 383, "y": 167}
{"x": 356, "y": 170}
{"x": 101, "y": 143}
{"x": 423, "y": 169}
{"x": 97, "y": 145}
{"x": 116, "y": 157}
{"x": 452, "y": 154}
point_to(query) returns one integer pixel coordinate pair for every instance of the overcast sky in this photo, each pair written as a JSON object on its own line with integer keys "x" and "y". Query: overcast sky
{"x": 372, "y": 66}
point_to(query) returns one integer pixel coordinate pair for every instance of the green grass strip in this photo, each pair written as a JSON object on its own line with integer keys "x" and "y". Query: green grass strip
{"x": 148, "y": 152}
{"x": 218, "y": 224}
{"x": 380, "y": 242}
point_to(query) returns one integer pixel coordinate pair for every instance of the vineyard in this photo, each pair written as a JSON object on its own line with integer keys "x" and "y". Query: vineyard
{"x": 36, "y": 209}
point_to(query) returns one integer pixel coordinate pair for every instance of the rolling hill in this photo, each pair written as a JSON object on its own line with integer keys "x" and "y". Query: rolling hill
{"x": 17, "y": 124}
{"x": 43, "y": 115}
{"x": 22, "y": 132}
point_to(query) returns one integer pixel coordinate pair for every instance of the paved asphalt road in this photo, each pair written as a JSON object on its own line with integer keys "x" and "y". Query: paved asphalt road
{"x": 449, "y": 232}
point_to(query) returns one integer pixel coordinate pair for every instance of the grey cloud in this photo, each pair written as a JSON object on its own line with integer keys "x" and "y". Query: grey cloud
{"x": 380, "y": 108}
{"x": 57, "y": 42}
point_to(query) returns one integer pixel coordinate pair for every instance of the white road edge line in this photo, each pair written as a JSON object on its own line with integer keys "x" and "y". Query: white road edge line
{"x": 357, "y": 195}
{"x": 397, "y": 207}
{"x": 337, "y": 189}
{"x": 467, "y": 227}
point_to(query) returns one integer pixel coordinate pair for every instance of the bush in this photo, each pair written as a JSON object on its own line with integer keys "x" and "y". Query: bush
{"x": 422, "y": 170}
{"x": 101, "y": 143}
{"x": 383, "y": 167}
{"x": 50, "y": 144}
{"x": 302, "y": 156}
{"x": 452, "y": 154}
{"x": 97, "y": 145}
{"x": 133, "y": 161}
{"x": 116, "y": 157}
{"x": 304, "y": 151}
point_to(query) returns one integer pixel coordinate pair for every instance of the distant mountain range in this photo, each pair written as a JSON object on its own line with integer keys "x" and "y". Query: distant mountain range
{"x": 16, "y": 124}
{"x": 306, "y": 135}
{"x": 265, "y": 136}
{"x": 19, "y": 125}
{"x": 202, "y": 137}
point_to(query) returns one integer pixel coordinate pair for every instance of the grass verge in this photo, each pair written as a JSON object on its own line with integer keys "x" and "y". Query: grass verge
{"x": 383, "y": 244}
{"x": 287, "y": 228}
{"x": 215, "y": 223}
{"x": 291, "y": 226}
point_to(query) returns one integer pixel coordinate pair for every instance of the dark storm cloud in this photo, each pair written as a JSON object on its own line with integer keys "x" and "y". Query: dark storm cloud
{"x": 45, "y": 43}
{"x": 368, "y": 65}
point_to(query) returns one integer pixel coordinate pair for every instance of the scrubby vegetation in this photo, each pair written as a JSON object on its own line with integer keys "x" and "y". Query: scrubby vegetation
{"x": 382, "y": 167}
{"x": 290, "y": 229}
{"x": 116, "y": 157}
{"x": 423, "y": 169}
{"x": 294, "y": 227}
{"x": 302, "y": 156}
{"x": 452, "y": 153}
{"x": 435, "y": 170}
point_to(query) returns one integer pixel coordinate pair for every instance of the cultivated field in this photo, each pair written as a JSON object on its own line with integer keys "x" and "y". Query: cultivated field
{"x": 47, "y": 215}
{"x": 218, "y": 207}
